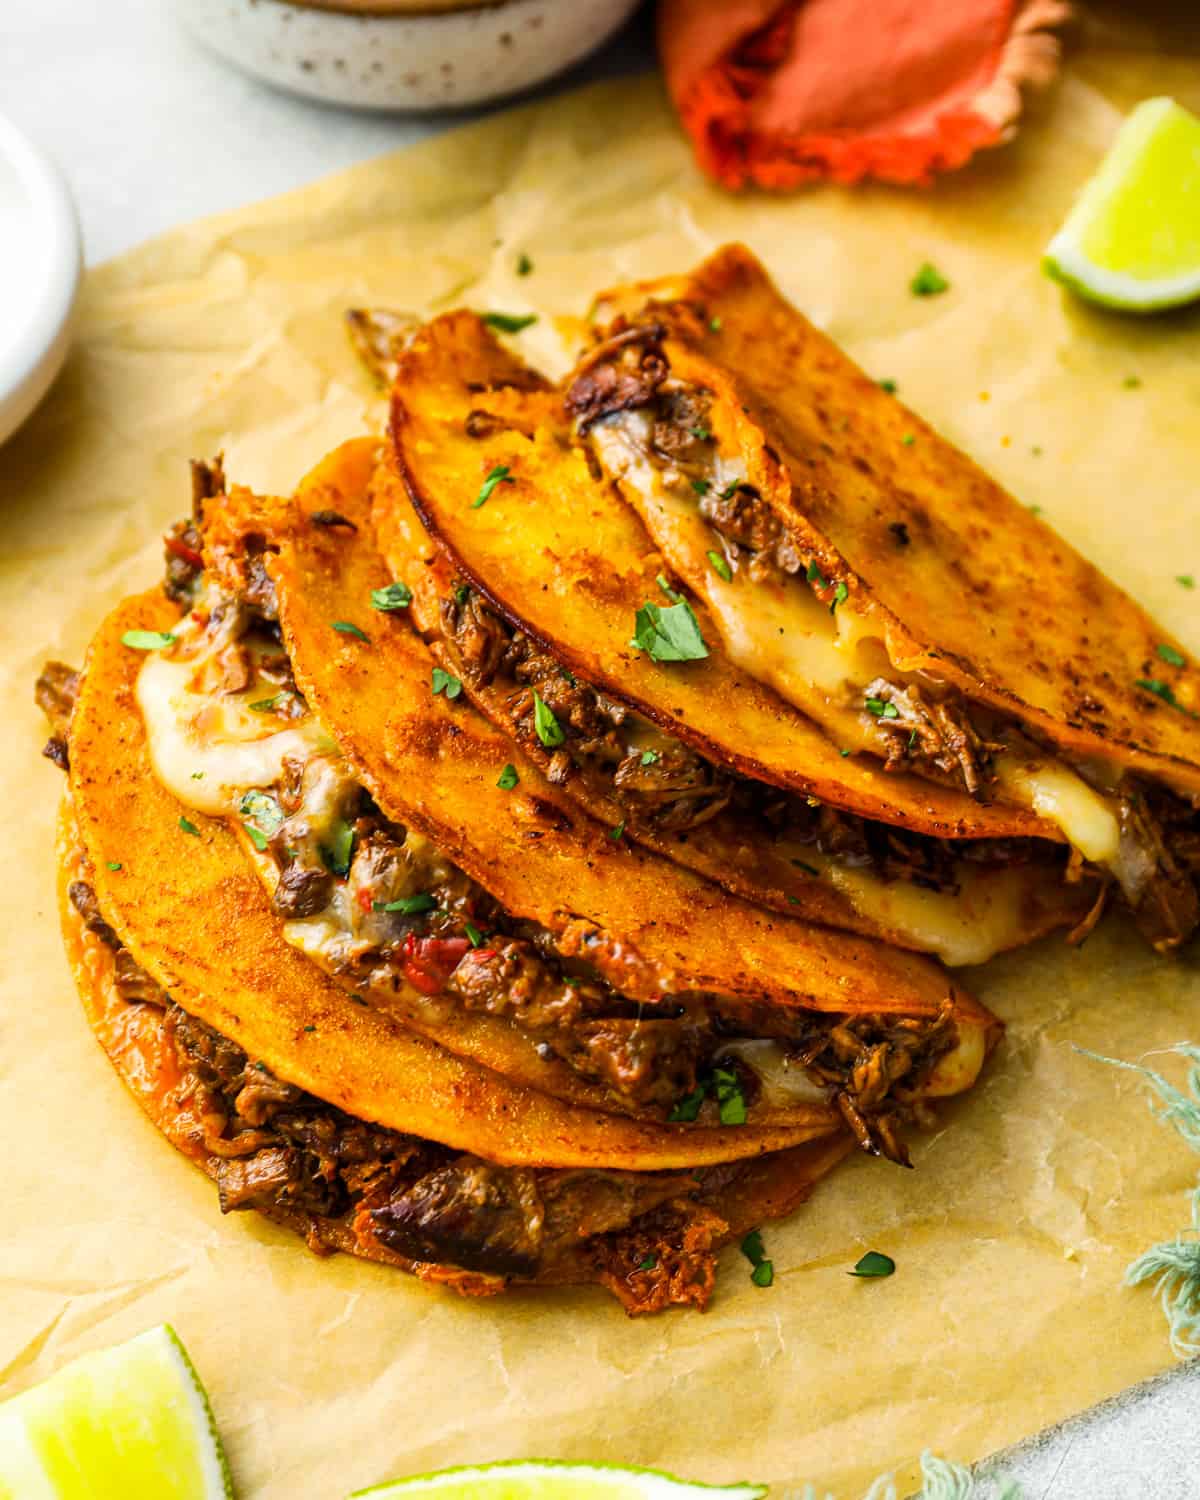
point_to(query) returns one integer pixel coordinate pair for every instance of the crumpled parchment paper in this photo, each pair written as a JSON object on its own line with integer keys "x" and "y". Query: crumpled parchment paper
{"x": 1006, "y": 1310}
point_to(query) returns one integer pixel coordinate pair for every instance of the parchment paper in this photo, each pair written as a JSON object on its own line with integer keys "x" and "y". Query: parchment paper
{"x": 1006, "y": 1311}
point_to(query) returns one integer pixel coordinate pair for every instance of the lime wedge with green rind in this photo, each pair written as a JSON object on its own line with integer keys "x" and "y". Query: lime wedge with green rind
{"x": 131, "y": 1422}
{"x": 1132, "y": 240}
{"x": 544, "y": 1479}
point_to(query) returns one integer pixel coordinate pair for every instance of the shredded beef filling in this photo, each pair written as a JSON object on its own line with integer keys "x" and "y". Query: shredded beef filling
{"x": 933, "y": 733}
{"x": 678, "y": 789}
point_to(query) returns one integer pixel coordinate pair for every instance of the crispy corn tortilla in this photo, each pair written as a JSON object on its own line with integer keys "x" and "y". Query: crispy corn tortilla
{"x": 560, "y": 555}
{"x": 655, "y": 928}
{"x": 131, "y": 1036}
{"x": 992, "y": 908}
{"x": 983, "y": 594}
{"x": 196, "y": 917}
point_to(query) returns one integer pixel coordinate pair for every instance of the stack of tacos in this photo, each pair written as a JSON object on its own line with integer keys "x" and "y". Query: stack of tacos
{"x": 464, "y": 880}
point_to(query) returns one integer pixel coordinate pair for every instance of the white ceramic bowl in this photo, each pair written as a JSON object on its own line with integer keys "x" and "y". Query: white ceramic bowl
{"x": 403, "y": 54}
{"x": 39, "y": 275}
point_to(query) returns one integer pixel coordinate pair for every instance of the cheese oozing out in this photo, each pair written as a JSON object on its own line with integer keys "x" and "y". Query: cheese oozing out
{"x": 818, "y": 660}
{"x": 209, "y": 748}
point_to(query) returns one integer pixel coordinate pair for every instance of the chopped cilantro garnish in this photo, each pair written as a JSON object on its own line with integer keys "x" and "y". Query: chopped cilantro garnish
{"x": 649, "y": 757}
{"x": 461, "y": 594}
{"x": 873, "y": 1263}
{"x": 763, "y": 1273}
{"x": 549, "y": 730}
{"x": 509, "y": 322}
{"x": 113, "y": 864}
{"x": 701, "y": 434}
{"x": 1161, "y": 690}
{"x": 197, "y": 775}
{"x": 259, "y": 840}
{"x": 618, "y": 832}
{"x": 840, "y": 595}
{"x": 908, "y": 439}
{"x": 720, "y": 566}
{"x": 260, "y": 812}
{"x": 443, "y": 682}
{"x": 889, "y": 386}
{"x": 310, "y": 1028}
{"x": 337, "y": 853}
{"x": 701, "y": 486}
{"x": 814, "y": 575}
{"x": 731, "y": 490}
{"x": 670, "y": 634}
{"x": 648, "y": 1264}
{"x": 407, "y": 906}
{"x": 148, "y": 640}
{"x": 793, "y": 900}
{"x": 844, "y": 753}
{"x": 809, "y": 869}
{"x": 689, "y": 1106}
{"x": 715, "y": 325}
{"x": 499, "y": 475}
{"x": 882, "y": 710}
{"x": 395, "y": 596}
{"x": 661, "y": 580}
{"x": 524, "y": 264}
{"x": 731, "y": 1102}
{"x": 474, "y": 936}
{"x": 1171, "y": 656}
{"x": 508, "y": 778}
{"x": 1185, "y": 580}
{"x": 928, "y": 281}
{"x": 1034, "y": 510}
{"x": 189, "y": 827}
{"x": 266, "y": 705}
{"x": 344, "y": 627}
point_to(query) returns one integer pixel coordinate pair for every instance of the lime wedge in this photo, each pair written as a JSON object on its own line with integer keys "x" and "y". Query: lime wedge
{"x": 1132, "y": 239}
{"x": 132, "y": 1422}
{"x": 542, "y": 1479}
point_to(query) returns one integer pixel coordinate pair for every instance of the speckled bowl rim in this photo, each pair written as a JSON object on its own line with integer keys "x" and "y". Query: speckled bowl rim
{"x": 387, "y": 10}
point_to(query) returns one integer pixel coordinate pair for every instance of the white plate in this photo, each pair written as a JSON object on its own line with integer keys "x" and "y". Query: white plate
{"x": 39, "y": 275}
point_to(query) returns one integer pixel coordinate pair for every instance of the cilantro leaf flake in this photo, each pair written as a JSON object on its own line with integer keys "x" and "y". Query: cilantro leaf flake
{"x": 873, "y": 1264}
{"x": 508, "y": 778}
{"x": 346, "y": 627}
{"x": 1171, "y": 656}
{"x": 148, "y": 640}
{"x": 928, "y": 281}
{"x": 720, "y": 566}
{"x": 407, "y": 906}
{"x": 395, "y": 596}
{"x": 549, "y": 730}
{"x": 504, "y": 322}
{"x": 501, "y": 474}
{"x": 443, "y": 682}
{"x": 669, "y": 634}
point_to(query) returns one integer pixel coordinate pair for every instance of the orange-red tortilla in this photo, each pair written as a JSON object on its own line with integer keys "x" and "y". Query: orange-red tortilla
{"x": 134, "y": 1040}
{"x": 194, "y": 914}
{"x": 559, "y": 554}
{"x": 981, "y": 593}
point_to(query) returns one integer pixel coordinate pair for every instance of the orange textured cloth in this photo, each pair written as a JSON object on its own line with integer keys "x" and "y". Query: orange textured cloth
{"x": 784, "y": 93}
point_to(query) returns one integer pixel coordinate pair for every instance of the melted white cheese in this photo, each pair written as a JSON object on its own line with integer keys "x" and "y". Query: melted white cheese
{"x": 821, "y": 662}
{"x": 208, "y": 749}
{"x": 1056, "y": 793}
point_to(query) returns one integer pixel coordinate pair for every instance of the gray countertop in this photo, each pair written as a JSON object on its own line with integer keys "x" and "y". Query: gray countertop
{"x": 152, "y": 131}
